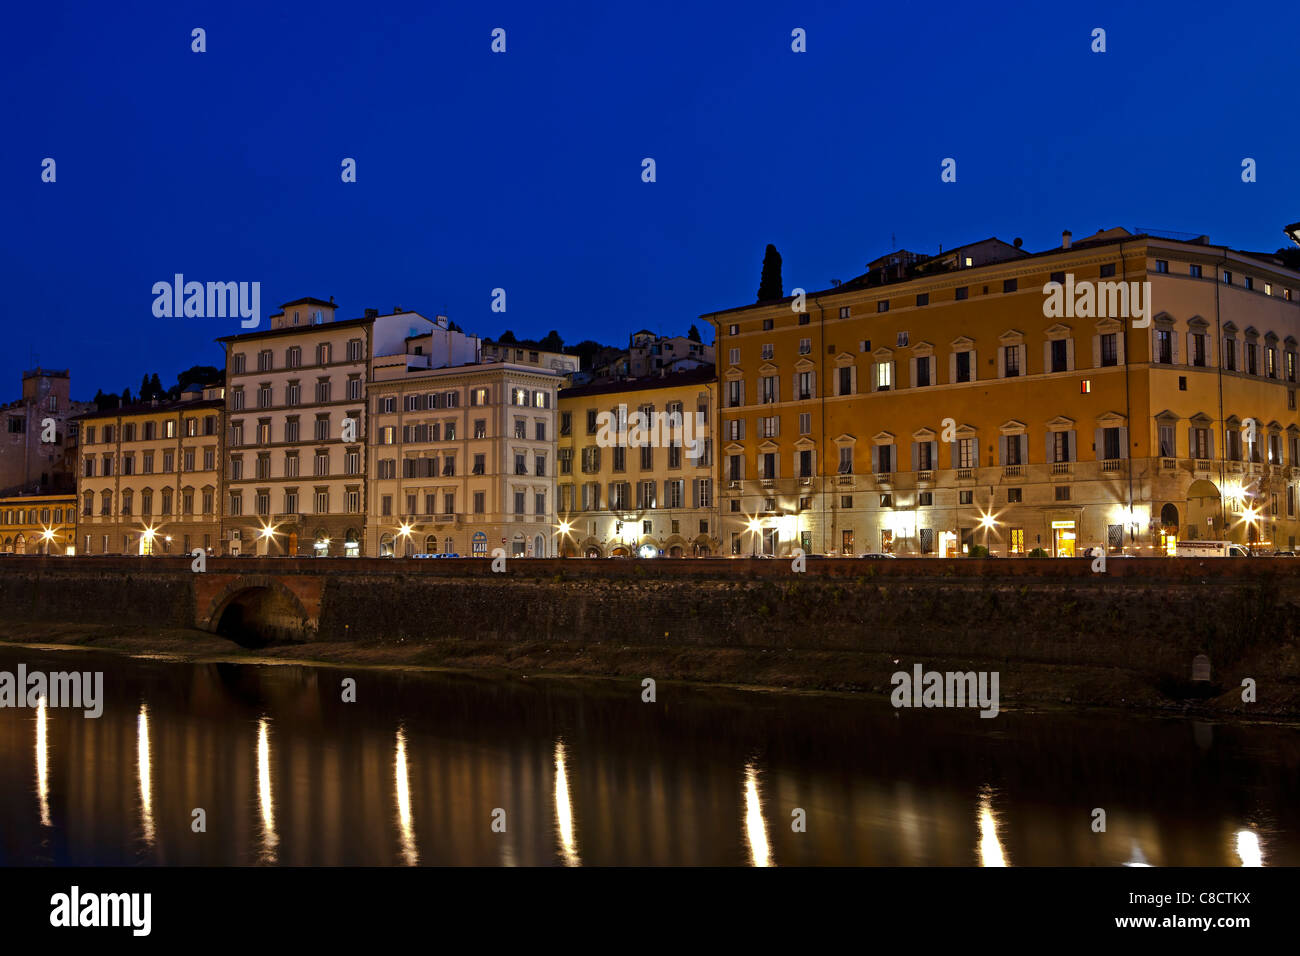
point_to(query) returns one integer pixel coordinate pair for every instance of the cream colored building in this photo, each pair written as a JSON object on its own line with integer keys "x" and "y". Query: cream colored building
{"x": 647, "y": 497}
{"x": 462, "y": 459}
{"x": 150, "y": 476}
{"x": 295, "y": 480}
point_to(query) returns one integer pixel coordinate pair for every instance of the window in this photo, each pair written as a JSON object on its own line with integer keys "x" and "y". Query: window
{"x": 962, "y": 292}
{"x": 1062, "y": 492}
{"x": 805, "y": 420}
{"x": 923, "y": 298}
{"x": 845, "y": 312}
{"x": 1014, "y": 496}
{"x": 1109, "y": 349}
{"x": 967, "y": 452}
{"x": 1162, "y": 266}
{"x": 1198, "y": 349}
{"x": 733, "y": 329}
{"x": 769, "y": 389}
{"x": 1108, "y": 270}
{"x": 1009, "y": 285}
{"x": 1060, "y": 355}
{"x": 1230, "y": 354}
{"x": 1167, "y": 446}
{"x": 963, "y": 366}
{"x": 1011, "y": 360}
{"x": 1227, "y": 278}
{"x": 1110, "y": 443}
{"x": 767, "y": 325}
{"x": 805, "y": 346}
{"x": 965, "y": 497}
{"x": 767, "y": 350}
{"x": 884, "y": 459}
{"x": 1252, "y": 358}
{"x": 884, "y": 377}
{"x": 902, "y": 340}
{"x": 923, "y": 371}
{"x": 846, "y": 460}
{"x": 1194, "y": 271}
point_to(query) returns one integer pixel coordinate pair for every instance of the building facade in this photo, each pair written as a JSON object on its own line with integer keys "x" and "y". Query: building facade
{"x": 462, "y": 460}
{"x": 36, "y": 452}
{"x": 294, "y": 482}
{"x": 149, "y": 477}
{"x": 38, "y": 524}
{"x": 933, "y": 406}
{"x": 624, "y": 493}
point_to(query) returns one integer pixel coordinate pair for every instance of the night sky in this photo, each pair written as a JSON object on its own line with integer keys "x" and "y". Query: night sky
{"x": 522, "y": 170}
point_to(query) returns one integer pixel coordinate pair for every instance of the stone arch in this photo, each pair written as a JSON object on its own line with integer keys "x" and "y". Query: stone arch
{"x": 257, "y": 610}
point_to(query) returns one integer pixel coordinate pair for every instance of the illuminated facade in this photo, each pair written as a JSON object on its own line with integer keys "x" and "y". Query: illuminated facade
{"x": 38, "y": 524}
{"x": 651, "y": 500}
{"x": 461, "y": 459}
{"x": 933, "y": 405}
{"x": 149, "y": 476}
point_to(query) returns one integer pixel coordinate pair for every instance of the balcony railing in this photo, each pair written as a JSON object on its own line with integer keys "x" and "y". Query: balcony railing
{"x": 1255, "y": 468}
{"x": 1203, "y": 465}
{"x": 925, "y": 476}
{"x": 884, "y": 477}
{"x": 1111, "y": 464}
{"x": 844, "y": 480}
{"x": 1168, "y": 464}
{"x": 1062, "y": 467}
{"x": 1234, "y": 468}
{"x": 965, "y": 473}
{"x": 446, "y": 518}
{"x": 1013, "y": 471}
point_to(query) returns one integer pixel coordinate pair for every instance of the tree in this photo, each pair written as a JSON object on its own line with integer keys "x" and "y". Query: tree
{"x": 144, "y": 388}
{"x": 507, "y": 338}
{"x": 1290, "y": 257}
{"x": 552, "y": 342}
{"x": 769, "y": 285}
{"x": 126, "y": 396}
{"x": 195, "y": 375}
{"x": 693, "y": 334}
{"x": 155, "y": 387}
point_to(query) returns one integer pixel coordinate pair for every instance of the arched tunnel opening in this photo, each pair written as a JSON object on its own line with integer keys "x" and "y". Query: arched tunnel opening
{"x": 260, "y": 616}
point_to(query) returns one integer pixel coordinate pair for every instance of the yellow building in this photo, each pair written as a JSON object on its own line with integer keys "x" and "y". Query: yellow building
{"x": 150, "y": 475}
{"x": 38, "y": 524}
{"x": 625, "y": 491}
{"x": 935, "y": 404}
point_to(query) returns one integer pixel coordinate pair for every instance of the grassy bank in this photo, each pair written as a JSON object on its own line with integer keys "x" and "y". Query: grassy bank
{"x": 1024, "y": 684}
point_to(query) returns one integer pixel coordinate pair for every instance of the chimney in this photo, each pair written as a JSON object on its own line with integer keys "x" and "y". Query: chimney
{"x": 372, "y": 313}
{"x": 1066, "y": 238}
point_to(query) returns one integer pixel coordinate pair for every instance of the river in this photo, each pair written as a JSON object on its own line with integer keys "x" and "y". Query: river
{"x": 428, "y": 768}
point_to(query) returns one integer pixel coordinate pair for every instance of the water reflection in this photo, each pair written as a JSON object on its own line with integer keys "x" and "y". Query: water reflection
{"x": 410, "y": 854}
{"x": 269, "y": 838}
{"x": 564, "y": 809}
{"x": 1248, "y": 848}
{"x": 760, "y": 854}
{"x": 42, "y": 763}
{"x": 1138, "y": 858}
{"x": 673, "y": 786}
{"x": 146, "y": 789}
{"x": 991, "y": 853}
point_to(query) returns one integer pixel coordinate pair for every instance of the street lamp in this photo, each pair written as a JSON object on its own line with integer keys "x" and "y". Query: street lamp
{"x": 987, "y": 521}
{"x": 562, "y": 532}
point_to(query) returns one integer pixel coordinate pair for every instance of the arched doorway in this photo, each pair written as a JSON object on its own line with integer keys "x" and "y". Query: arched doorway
{"x": 352, "y": 543}
{"x": 1205, "y": 512}
{"x": 386, "y": 545}
{"x": 619, "y": 552}
{"x": 539, "y": 547}
{"x": 321, "y": 544}
{"x": 675, "y": 551}
{"x": 20, "y": 544}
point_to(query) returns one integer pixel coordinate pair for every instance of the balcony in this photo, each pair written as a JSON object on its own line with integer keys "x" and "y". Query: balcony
{"x": 925, "y": 477}
{"x": 1013, "y": 471}
{"x": 1062, "y": 467}
{"x": 1111, "y": 464}
{"x": 1169, "y": 464}
{"x": 885, "y": 478}
{"x": 965, "y": 474}
{"x": 1203, "y": 466}
{"x": 769, "y": 482}
{"x": 1255, "y": 468}
{"x": 446, "y": 518}
{"x": 844, "y": 480}
{"x": 1234, "y": 467}
{"x": 291, "y": 518}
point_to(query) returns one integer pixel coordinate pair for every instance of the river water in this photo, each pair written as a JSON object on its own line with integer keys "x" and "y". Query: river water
{"x": 439, "y": 769}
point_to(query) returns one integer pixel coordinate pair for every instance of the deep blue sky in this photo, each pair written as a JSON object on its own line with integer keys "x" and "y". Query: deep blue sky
{"x": 478, "y": 170}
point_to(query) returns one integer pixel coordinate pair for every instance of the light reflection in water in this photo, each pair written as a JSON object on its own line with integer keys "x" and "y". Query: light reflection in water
{"x": 1248, "y": 848}
{"x": 269, "y": 838}
{"x": 146, "y": 788}
{"x": 990, "y": 847}
{"x": 42, "y": 763}
{"x": 1138, "y": 858}
{"x": 410, "y": 853}
{"x": 564, "y": 809}
{"x": 760, "y": 853}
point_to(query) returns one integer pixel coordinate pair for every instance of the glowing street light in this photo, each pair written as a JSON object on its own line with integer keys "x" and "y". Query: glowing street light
{"x": 562, "y": 530}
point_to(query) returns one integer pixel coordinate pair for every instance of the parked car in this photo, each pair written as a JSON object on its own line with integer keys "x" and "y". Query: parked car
{"x": 1282, "y": 554}
{"x": 876, "y": 554}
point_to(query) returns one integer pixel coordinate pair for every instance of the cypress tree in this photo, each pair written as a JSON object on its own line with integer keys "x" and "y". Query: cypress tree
{"x": 769, "y": 285}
